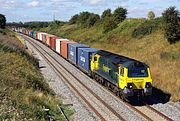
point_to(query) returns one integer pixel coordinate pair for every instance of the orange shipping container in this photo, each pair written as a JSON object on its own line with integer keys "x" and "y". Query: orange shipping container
{"x": 53, "y": 42}
{"x": 37, "y": 35}
{"x": 43, "y": 37}
{"x": 64, "y": 48}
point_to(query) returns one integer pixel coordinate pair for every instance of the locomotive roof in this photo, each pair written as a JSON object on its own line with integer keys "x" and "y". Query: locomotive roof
{"x": 119, "y": 59}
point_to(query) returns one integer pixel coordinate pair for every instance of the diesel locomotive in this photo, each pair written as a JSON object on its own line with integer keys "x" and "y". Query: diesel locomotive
{"x": 124, "y": 76}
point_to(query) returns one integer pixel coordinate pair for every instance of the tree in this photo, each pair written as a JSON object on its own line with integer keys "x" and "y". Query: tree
{"x": 109, "y": 24}
{"x": 171, "y": 24}
{"x": 74, "y": 19}
{"x": 151, "y": 15}
{"x": 120, "y": 14}
{"x": 93, "y": 18}
{"x": 106, "y": 13}
{"x": 2, "y": 21}
{"x": 83, "y": 17}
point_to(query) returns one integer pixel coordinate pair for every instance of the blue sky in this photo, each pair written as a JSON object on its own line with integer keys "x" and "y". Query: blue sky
{"x": 43, "y": 10}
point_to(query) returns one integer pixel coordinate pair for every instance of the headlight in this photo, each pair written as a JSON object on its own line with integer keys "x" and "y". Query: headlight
{"x": 148, "y": 85}
{"x": 129, "y": 85}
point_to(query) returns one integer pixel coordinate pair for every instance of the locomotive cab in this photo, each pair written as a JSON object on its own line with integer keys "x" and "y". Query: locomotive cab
{"x": 135, "y": 79}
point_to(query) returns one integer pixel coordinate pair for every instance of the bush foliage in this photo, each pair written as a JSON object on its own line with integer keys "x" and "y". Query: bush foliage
{"x": 120, "y": 14}
{"x": 171, "y": 18}
{"x": 109, "y": 24}
{"x": 106, "y": 13}
{"x": 146, "y": 28}
{"x": 85, "y": 19}
{"x": 2, "y": 21}
{"x": 151, "y": 15}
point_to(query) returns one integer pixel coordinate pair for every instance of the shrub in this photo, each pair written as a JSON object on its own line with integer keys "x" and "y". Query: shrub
{"x": 83, "y": 17}
{"x": 92, "y": 20}
{"x": 120, "y": 14}
{"x": 172, "y": 24}
{"x": 146, "y": 28}
{"x": 106, "y": 13}
{"x": 109, "y": 24}
{"x": 2, "y": 21}
{"x": 74, "y": 19}
{"x": 151, "y": 15}
{"x": 170, "y": 55}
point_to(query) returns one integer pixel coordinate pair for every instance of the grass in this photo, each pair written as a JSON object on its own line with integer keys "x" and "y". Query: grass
{"x": 23, "y": 91}
{"x": 149, "y": 47}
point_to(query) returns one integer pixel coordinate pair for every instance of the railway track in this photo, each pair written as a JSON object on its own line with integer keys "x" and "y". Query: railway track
{"x": 93, "y": 101}
{"x": 147, "y": 112}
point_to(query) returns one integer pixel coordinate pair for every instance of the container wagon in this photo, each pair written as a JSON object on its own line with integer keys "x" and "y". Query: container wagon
{"x": 64, "y": 48}
{"x": 58, "y": 44}
{"x": 84, "y": 59}
{"x": 73, "y": 52}
{"x": 52, "y": 42}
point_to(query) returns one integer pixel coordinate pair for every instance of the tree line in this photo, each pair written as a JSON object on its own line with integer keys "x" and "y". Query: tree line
{"x": 2, "y": 21}
{"x": 110, "y": 20}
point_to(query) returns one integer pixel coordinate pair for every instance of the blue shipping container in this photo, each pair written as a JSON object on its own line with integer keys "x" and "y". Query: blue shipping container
{"x": 44, "y": 39}
{"x": 84, "y": 58}
{"x": 31, "y": 34}
{"x": 72, "y": 51}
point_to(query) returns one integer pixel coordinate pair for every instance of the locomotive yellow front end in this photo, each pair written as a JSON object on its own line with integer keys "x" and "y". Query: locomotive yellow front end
{"x": 135, "y": 79}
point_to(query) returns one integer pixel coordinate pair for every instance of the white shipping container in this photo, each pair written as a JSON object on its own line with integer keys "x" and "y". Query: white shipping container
{"x": 40, "y": 36}
{"x": 58, "y": 44}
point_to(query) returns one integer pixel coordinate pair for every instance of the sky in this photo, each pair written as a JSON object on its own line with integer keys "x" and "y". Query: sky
{"x": 44, "y": 10}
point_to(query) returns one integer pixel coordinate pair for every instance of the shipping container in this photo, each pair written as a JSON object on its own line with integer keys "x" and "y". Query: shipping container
{"x": 53, "y": 42}
{"x": 64, "y": 48}
{"x": 45, "y": 38}
{"x": 73, "y": 52}
{"x": 58, "y": 44}
{"x": 84, "y": 58}
{"x": 34, "y": 34}
{"x": 37, "y": 33}
{"x": 20, "y": 30}
{"x": 31, "y": 33}
{"x": 41, "y": 36}
{"x": 24, "y": 31}
{"x": 27, "y": 32}
{"x": 48, "y": 38}
{"x": 38, "y": 37}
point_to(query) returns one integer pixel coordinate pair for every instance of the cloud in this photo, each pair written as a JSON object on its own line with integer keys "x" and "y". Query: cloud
{"x": 34, "y": 4}
{"x": 94, "y": 2}
{"x": 8, "y": 4}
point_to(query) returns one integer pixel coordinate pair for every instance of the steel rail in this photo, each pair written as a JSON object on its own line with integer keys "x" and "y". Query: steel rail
{"x": 110, "y": 108}
{"x": 97, "y": 97}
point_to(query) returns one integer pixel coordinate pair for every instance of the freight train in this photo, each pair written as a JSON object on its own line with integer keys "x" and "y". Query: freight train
{"x": 124, "y": 76}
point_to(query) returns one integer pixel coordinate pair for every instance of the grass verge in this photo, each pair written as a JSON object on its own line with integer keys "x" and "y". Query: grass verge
{"x": 23, "y": 91}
